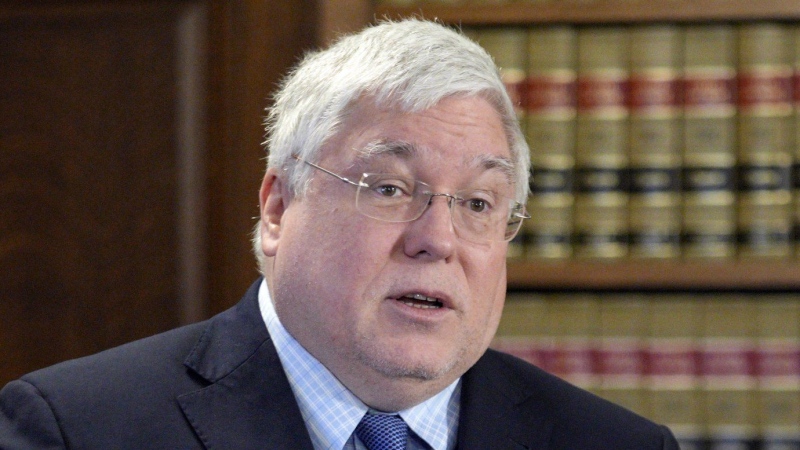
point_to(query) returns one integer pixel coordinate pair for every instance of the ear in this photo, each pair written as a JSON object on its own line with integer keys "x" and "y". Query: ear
{"x": 273, "y": 199}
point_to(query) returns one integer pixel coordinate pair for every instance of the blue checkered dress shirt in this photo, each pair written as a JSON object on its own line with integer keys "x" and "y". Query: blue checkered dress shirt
{"x": 331, "y": 412}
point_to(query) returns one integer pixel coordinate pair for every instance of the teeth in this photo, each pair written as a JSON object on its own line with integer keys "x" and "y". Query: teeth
{"x": 433, "y": 303}
{"x": 421, "y": 297}
{"x": 417, "y": 305}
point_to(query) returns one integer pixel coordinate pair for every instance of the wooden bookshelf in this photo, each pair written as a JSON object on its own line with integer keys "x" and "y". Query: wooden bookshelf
{"x": 599, "y": 11}
{"x": 770, "y": 275}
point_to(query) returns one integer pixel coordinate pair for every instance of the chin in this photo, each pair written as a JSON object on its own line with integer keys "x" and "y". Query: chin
{"x": 427, "y": 367}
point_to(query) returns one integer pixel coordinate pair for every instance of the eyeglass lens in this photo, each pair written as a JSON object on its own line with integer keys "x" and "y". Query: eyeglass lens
{"x": 477, "y": 215}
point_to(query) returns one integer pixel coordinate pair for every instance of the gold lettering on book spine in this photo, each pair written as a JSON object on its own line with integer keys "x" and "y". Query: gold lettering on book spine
{"x": 601, "y": 216}
{"x": 655, "y": 215}
{"x": 550, "y": 129}
{"x": 765, "y": 140}
{"x": 709, "y": 147}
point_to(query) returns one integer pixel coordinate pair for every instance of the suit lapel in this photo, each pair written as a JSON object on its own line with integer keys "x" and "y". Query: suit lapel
{"x": 248, "y": 403}
{"x": 499, "y": 413}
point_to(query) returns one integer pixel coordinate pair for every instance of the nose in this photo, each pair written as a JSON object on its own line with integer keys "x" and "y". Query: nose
{"x": 432, "y": 235}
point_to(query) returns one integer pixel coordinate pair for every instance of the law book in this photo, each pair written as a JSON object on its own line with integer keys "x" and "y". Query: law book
{"x": 796, "y": 155}
{"x": 709, "y": 145}
{"x": 571, "y": 331}
{"x": 521, "y": 331}
{"x": 550, "y": 130}
{"x": 673, "y": 367}
{"x": 727, "y": 371}
{"x": 621, "y": 350}
{"x": 508, "y": 46}
{"x": 765, "y": 140}
{"x": 655, "y": 141}
{"x": 601, "y": 159}
{"x": 777, "y": 366}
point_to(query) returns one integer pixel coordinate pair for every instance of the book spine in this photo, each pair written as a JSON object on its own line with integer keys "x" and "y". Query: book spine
{"x": 601, "y": 202}
{"x": 621, "y": 350}
{"x": 673, "y": 367}
{"x": 796, "y": 153}
{"x": 765, "y": 140}
{"x": 522, "y": 327}
{"x": 655, "y": 162}
{"x": 709, "y": 152}
{"x": 508, "y": 46}
{"x": 550, "y": 129}
{"x": 777, "y": 370}
{"x": 571, "y": 331}
{"x": 728, "y": 372}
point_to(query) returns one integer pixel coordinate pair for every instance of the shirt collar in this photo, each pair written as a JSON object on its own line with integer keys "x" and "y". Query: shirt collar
{"x": 331, "y": 412}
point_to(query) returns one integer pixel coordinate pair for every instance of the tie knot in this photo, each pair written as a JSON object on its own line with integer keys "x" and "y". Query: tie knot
{"x": 382, "y": 432}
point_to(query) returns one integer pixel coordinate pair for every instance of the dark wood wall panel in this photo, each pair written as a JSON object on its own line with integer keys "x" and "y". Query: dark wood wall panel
{"x": 130, "y": 160}
{"x": 254, "y": 43}
{"x": 95, "y": 178}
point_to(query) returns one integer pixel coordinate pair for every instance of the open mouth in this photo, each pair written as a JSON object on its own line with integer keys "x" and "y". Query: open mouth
{"x": 420, "y": 301}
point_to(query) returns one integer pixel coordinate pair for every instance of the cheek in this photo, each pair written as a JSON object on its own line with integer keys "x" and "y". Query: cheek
{"x": 340, "y": 251}
{"x": 355, "y": 243}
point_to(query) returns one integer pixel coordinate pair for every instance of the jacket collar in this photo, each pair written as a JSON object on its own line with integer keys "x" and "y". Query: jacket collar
{"x": 248, "y": 397}
{"x": 498, "y": 411}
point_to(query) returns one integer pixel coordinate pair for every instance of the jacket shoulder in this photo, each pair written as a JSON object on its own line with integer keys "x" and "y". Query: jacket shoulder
{"x": 127, "y": 396}
{"x": 147, "y": 359}
{"x": 577, "y": 418}
{"x": 102, "y": 397}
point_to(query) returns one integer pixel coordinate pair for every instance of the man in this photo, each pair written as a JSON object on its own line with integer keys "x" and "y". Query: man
{"x": 396, "y": 177}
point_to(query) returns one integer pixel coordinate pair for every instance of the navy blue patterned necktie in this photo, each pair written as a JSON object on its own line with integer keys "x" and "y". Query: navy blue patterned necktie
{"x": 382, "y": 432}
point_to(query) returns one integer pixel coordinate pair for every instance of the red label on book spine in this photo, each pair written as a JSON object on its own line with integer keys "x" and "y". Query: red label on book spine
{"x": 728, "y": 359}
{"x": 550, "y": 93}
{"x": 709, "y": 90}
{"x": 515, "y": 86}
{"x": 796, "y": 86}
{"x": 778, "y": 359}
{"x": 527, "y": 348}
{"x": 569, "y": 359}
{"x": 623, "y": 357}
{"x": 765, "y": 87}
{"x": 653, "y": 93}
{"x": 597, "y": 93}
{"x": 665, "y": 359}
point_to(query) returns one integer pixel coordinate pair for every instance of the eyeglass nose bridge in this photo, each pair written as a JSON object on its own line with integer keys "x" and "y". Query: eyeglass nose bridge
{"x": 451, "y": 199}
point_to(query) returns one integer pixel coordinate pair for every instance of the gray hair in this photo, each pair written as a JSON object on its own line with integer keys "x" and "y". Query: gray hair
{"x": 411, "y": 65}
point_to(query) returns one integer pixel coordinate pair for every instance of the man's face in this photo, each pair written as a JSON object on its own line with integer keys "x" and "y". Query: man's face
{"x": 349, "y": 287}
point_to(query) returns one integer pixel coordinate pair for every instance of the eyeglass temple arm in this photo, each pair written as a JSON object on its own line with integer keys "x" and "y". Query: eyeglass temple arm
{"x": 346, "y": 180}
{"x": 521, "y": 215}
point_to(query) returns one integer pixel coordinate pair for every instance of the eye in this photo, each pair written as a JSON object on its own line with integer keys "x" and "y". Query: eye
{"x": 477, "y": 205}
{"x": 389, "y": 187}
{"x": 388, "y": 190}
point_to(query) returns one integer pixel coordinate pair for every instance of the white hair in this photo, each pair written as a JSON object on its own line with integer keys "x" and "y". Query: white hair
{"x": 411, "y": 65}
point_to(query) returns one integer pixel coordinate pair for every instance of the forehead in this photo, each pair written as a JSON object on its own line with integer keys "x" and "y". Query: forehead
{"x": 458, "y": 132}
{"x": 396, "y": 151}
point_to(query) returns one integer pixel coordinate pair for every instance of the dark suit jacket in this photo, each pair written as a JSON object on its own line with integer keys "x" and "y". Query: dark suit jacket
{"x": 220, "y": 385}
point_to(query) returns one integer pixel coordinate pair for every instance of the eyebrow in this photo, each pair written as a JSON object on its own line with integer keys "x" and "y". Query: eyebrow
{"x": 407, "y": 150}
{"x": 382, "y": 147}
